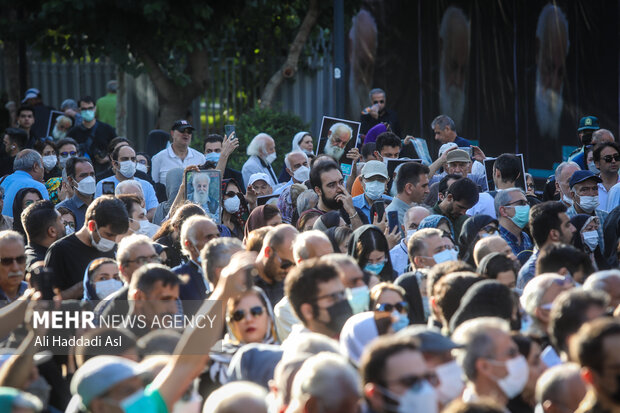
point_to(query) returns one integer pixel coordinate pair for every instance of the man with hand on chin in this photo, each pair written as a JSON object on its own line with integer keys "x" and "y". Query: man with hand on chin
{"x": 328, "y": 183}
{"x": 106, "y": 218}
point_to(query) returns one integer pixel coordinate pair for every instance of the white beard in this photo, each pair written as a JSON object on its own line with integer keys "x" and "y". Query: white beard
{"x": 201, "y": 197}
{"x": 549, "y": 105}
{"x": 451, "y": 99}
{"x": 333, "y": 151}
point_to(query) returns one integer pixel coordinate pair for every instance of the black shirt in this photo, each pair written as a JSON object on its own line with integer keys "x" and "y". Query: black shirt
{"x": 34, "y": 253}
{"x": 93, "y": 141}
{"x": 275, "y": 291}
{"x": 388, "y": 116}
{"x": 68, "y": 258}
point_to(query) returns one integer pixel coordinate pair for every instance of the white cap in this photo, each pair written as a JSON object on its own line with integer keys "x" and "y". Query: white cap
{"x": 373, "y": 168}
{"x": 260, "y": 176}
{"x": 446, "y": 146}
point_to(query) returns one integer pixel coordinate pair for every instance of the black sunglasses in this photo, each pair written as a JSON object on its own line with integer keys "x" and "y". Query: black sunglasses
{"x": 6, "y": 261}
{"x": 388, "y": 308}
{"x": 608, "y": 158}
{"x": 411, "y": 381}
{"x": 240, "y": 314}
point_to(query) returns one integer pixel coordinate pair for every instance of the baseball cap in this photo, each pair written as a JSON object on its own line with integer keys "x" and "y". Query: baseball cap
{"x": 447, "y": 146}
{"x": 31, "y": 93}
{"x": 259, "y": 176}
{"x": 99, "y": 374}
{"x": 431, "y": 340}
{"x": 588, "y": 123}
{"x": 458, "y": 155}
{"x": 580, "y": 176}
{"x": 181, "y": 125}
{"x": 373, "y": 168}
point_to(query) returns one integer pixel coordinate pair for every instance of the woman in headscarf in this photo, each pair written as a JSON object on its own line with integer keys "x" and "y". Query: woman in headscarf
{"x": 249, "y": 319}
{"x": 262, "y": 216}
{"x": 308, "y": 218}
{"x": 302, "y": 141}
{"x": 339, "y": 237}
{"x": 174, "y": 178}
{"x": 169, "y": 234}
{"x": 586, "y": 239}
{"x": 235, "y": 208}
{"x": 101, "y": 279}
{"x": 475, "y": 228}
{"x": 329, "y": 220}
{"x": 370, "y": 249}
{"x": 439, "y": 222}
{"x": 23, "y": 198}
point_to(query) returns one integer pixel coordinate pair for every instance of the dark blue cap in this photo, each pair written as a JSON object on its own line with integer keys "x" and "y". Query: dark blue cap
{"x": 580, "y": 176}
{"x": 588, "y": 123}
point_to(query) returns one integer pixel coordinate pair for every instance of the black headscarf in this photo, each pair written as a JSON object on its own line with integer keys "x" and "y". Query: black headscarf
{"x": 469, "y": 235}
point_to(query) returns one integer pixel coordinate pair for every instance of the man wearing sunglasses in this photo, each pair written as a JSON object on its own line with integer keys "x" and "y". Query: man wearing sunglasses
{"x": 378, "y": 113}
{"x": 607, "y": 160}
{"x": 275, "y": 260}
{"x": 12, "y": 266}
{"x": 395, "y": 376}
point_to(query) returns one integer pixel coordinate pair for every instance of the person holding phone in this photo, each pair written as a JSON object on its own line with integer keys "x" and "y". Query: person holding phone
{"x": 378, "y": 113}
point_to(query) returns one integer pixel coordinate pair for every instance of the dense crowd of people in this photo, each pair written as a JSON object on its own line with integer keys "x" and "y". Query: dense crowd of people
{"x": 433, "y": 287}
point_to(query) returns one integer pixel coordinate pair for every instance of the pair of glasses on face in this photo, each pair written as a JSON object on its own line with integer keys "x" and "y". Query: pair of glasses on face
{"x": 412, "y": 381}
{"x": 65, "y": 154}
{"x": 376, "y": 102}
{"x": 240, "y": 314}
{"x": 6, "y": 261}
{"x": 388, "y": 308}
{"x": 609, "y": 158}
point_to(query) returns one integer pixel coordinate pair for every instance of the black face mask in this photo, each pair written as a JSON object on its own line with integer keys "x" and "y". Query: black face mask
{"x": 339, "y": 313}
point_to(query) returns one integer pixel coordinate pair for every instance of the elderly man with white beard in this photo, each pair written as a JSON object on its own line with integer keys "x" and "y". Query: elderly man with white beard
{"x": 454, "y": 34}
{"x": 200, "y": 183}
{"x": 338, "y": 137}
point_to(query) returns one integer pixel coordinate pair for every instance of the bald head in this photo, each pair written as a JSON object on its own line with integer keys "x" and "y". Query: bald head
{"x": 487, "y": 245}
{"x": 280, "y": 236}
{"x": 602, "y": 135}
{"x": 311, "y": 244}
{"x": 414, "y": 216}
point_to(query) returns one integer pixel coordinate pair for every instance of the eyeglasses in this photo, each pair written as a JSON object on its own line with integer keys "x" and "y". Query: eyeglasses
{"x": 240, "y": 314}
{"x": 520, "y": 202}
{"x": 411, "y": 381}
{"x": 388, "y": 308}
{"x": 146, "y": 260}
{"x": 376, "y": 102}
{"x": 65, "y": 154}
{"x": 284, "y": 264}
{"x": 6, "y": 261}
{"x": 609, "y": 158}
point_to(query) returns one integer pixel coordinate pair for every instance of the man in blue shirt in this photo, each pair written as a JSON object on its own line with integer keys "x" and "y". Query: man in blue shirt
{"x": 513, "y": 214}
{"x": 124, "y": 166}
{"x": 374, "y": 178}
{"x": 445, "y": 131}
{"x": 12, "y": 266}
{"x": 29, "y": 171}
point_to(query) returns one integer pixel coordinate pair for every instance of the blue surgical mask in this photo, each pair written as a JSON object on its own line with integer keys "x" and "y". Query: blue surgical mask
{"x": 522, "y": 215}
{"x": 359, "y": 298}
{"x": 401, "y": 322}
{"x": 445, "y": 255}
{"x": 212, "y": 157}
{"x": 375, "y": 268}
{"x": 88, "y": 115}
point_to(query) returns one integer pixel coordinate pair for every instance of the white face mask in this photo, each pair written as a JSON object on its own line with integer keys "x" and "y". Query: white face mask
{"x": 142, "y": 168}
{"x": 445, "y": 255}
{"x": 588, "y": 203}
{"x": 515, "y": 380}
{"x": 104, "y": 244}
{"x": 590, "y": 238}
{"x": 270, "y": 158}
{"x": 107, "y": 287}
{"x": 422, "y": 397}
{"x": 451, "y": 382}
{"x": 410, "y": 232}
{"x": 567, "y": 200}
{"x": 87, "y": 186}
{"x": 302, "y": 174}
{"x": 49, "y": 162}
{"x": 127, "y": 168}
{"x": 69, "y": 230}
{"x": 374, "y": 189}
{"x": 231, "y": 205}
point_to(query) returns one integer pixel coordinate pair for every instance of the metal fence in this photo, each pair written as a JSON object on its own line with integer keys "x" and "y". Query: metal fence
{"x": 234, "y": 87}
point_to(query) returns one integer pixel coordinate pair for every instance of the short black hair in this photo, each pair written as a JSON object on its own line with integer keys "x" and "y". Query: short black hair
{"x": 569, "y": 312}
{"x": 37, "y": 218}
{"x": 319, "y": 169}
{"x": 25, "y": 108}
{"x": 557, "y": 256}
{"x": 86, "y": 99}
{"x": 67, "y": 141}
{"x": 40, "y": 144}
{"x": 443, "y": 184}
{"x": 108, "y": 211}
{"x": 374, "y": 359}
{"x": 464, "y": 190}
{"x": 129, "y": 200}
{"x": 214, "y": 137}
{"x": 368, "y": 149}
{"x": 496, "y": 264}
{"x": 387, "y": 139}
{"x": 596, "y": 154}
{"x": 72, "y": 163}
{"x": 19, "y": 139}
{"x": 588, "y": 346}
{"x": 145, "y": 277}
{"x": 509, "y": 166}
{"x": 116, "y": 141}
{"x": 117, "y": 150}
{"x": 301, "y": 285}
{"x": 543, "y": 218}
{"x": 409, "y": 173}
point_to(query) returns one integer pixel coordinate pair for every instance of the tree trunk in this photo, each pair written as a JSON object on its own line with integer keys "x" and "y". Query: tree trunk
{"x": 121, "y": 103}
{"x": 171, "y": 111}
{"x": 289, "y": 68}
{"x": 11, "y": 66}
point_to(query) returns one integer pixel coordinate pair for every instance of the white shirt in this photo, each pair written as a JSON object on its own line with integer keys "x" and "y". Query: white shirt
{"x": 603, "y": 197}
{"x": 285, "y": 318}
{"x": 166, "y": 160}
{"x": 485, "y": 206}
